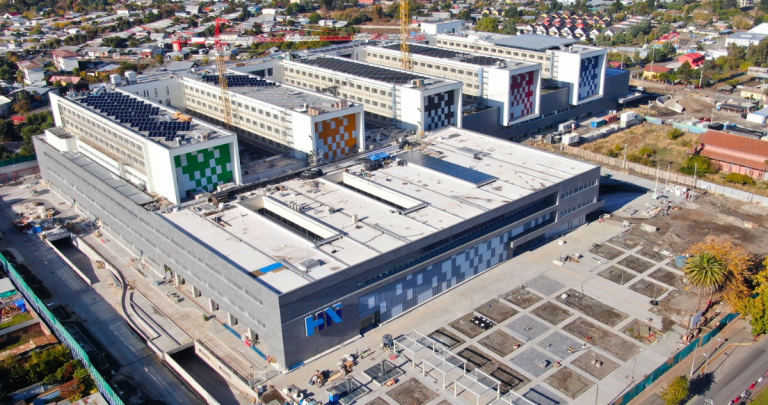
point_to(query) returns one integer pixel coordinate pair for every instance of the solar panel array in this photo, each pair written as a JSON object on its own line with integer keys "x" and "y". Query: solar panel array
{"x": 451, "y": 169}
{"x": 240, "y": 81}
{"x": 363, "y": 70}
{"x": 449, "y": 54}
{"x": 136, "y": 114}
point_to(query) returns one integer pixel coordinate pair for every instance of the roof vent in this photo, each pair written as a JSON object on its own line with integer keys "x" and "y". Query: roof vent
{"x": 309, "y": 264}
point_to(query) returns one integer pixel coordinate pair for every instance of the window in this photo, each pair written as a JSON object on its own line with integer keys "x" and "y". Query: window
{"x": 155, "y": 92}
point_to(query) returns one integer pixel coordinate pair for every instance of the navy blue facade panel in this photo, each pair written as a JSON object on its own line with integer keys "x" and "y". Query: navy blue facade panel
{"x": 439, "y": 110}
{"x": 589, "y": 77}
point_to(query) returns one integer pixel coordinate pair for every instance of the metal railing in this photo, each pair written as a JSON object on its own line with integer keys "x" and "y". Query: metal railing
{"x": 60, "y": 331}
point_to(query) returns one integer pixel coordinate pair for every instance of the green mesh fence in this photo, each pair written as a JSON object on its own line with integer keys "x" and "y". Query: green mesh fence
{"x": 58, "y": 329}
{"x": 21, "y": 159}
{"x": 672, "y": 361}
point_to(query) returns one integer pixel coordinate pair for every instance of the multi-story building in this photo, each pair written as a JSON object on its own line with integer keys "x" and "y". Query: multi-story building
{"x": 274, "y": 115}
{"x": 307, "y": 264}
{"x": 151, "y": 146}
{"x": 511, "y": 85}
{"x": 32, "y": 70}
{"x": 390, "y": 96}
{"x": 580, "y": 68}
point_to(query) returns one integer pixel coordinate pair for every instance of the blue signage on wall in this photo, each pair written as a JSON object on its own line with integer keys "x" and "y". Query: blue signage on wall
{"x": 324, "y": 319}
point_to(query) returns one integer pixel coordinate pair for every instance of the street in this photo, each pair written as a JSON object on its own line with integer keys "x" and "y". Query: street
{"x": 735, "y": 369}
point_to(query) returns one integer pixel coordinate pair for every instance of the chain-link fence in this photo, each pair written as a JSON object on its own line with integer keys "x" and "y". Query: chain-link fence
{"x": 58, "y": 329}
{"x": 21, "y": 159}
{"x": 672, "y": 361}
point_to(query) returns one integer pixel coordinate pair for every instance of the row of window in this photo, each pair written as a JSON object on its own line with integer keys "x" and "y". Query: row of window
{"x": 578, "y": 206}
{"x": 491, "y": 49}
{"x": 235, "y": 104}
{"x": 426, "y": 65}
{"x": 171, "y": 242}
{"x": 339, "y": 82}
{"x": 578, "y": 189}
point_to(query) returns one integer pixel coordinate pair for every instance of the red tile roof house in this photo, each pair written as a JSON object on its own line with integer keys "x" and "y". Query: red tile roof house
{"x": 695, "y": 59}
{"x": 735, "y": 153}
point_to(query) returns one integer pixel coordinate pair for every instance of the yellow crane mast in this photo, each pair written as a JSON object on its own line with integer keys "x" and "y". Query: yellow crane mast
{"x": 221, "y": 67}
{"x": 405, "y": 26}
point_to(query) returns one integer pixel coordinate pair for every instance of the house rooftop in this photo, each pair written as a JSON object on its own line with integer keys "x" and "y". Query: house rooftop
{"x": 349, "y": 216}
{"x": 735, "y": 143}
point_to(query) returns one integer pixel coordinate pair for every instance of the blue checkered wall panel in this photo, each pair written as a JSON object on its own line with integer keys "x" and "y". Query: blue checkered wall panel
{"x": 401, "y": 295}
{"x": 589, "y": 77}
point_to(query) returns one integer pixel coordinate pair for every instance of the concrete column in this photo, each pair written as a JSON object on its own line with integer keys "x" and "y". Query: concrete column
{"x": 231, "y": 320}
{"x": 178, "y": 279}
{"x": 212, "y": 305}
{"x": 252, "y": 334}
{"x": 196, "y": 292}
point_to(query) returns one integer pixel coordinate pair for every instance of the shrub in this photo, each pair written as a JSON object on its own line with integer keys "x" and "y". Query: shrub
{"x": 646, "y": 151}
{"x": 612, "y": 153}
{"x": 701, "y": 165}
{"x": 738, "y": 178}
{"x": 618, "y": 148}
{"x": 677, "y": 391}
{"x": 675, "y": 134}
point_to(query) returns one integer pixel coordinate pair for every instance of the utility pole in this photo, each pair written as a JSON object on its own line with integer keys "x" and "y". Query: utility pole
{"x": 624, "y": 166}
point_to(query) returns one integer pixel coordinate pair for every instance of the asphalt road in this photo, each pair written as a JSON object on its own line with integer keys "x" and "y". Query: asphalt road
{"x": 97, "y": 308}
{"x": 734, "y": 371}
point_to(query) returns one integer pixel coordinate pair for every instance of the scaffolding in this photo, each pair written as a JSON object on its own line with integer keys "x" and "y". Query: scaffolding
{"x": 414, "y": 344}
{"x": 479, "y": 384}
{"x": 445, "y": 362}
{"x": 512, "y": 398}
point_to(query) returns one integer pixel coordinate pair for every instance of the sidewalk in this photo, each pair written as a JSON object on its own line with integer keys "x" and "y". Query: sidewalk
{"x": 652, "y": 394}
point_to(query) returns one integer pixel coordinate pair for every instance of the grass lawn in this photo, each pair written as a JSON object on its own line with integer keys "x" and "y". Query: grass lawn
{"x": 17, "y": 319}
{"x": 761, "y": 398}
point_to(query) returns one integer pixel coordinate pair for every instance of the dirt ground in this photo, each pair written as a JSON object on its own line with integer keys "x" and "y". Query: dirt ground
{"x": 586, "y": 362}
{"x": 649, "y": 289}
{"x": 378, "y": 401}
{"x": 634, "y": 328}
{"x": 604, "y": 339}
{"x": 617, "y": 275}
{"x": 446, "y": 338}
{"x": 568, "y": 382}
{"x": 500, "y": 343}
{"x": 646, "y": 134}
{"x": 552, "y": 313}
{"x": 593, "y": 308}
{"x": 669, "y": 278}
{"x": 465, "y": 326}
{"x": 496, "y": 311}
{"x": 510, "y": 379}
{"x": 649, "y": 253}
{"x": 606, "y": 251}
{"x": 412, "y": 392}
{"x": 521, "y": 297}
{"x": 635, "y": 263}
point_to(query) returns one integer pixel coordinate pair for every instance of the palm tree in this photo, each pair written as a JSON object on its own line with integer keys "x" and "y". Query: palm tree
{"x": 706, "y": 271}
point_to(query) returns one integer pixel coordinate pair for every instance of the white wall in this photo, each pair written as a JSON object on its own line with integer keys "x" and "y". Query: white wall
{"x": 166, "y": 89}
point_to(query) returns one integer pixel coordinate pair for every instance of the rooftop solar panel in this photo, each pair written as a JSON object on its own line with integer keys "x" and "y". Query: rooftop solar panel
{"x": 363, "y": 70}
{"x": 451, "y": 169}
{"x": 449, "y": 54}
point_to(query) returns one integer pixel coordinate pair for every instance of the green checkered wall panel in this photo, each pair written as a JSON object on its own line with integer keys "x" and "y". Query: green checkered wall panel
{"x": 204, "y": 170}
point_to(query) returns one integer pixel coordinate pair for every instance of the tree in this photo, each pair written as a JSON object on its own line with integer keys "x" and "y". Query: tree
{"x": 738, "y": 265}
{"x": 159, "y": 58}
{"x": 706, "y": 271}
{"x": 466, "y": 14}
{"x": 314, "y": 18}
{"x": 488, "y": 24}
{"x": 22, "y": 105}
{"x": 677, "y": 391}
{"x": 756, "y": 307}
{"x": 378, "y": 11}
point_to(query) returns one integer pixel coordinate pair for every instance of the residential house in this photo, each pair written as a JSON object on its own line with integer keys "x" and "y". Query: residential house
{"x": 695, "y": 59}
{"x": 33, "y": 71}
{"x": 735, "y": 153}
{"x": 755, "y": 93}
{"x": 5, "y": 106}
{"x": 64, "y": 60}
{"x": 98, "y": 52}
{"x": 652, "y": 72}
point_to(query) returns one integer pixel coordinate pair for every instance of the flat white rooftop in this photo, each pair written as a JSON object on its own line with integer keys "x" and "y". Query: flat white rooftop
{"x": 350, "y": 216}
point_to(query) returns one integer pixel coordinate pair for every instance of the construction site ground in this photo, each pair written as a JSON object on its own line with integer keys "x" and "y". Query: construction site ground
{"x": 561, "y": 316}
